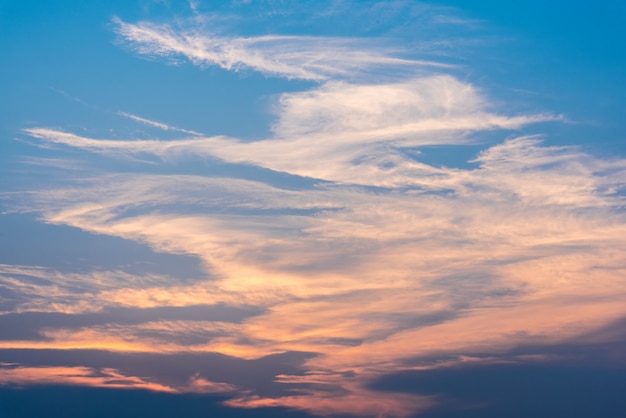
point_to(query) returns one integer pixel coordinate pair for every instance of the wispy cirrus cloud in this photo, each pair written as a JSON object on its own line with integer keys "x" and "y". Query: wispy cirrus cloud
{"x": 156, "y": 124}
{"x": 293, "y": 57}
{"x": 361, "y": 132}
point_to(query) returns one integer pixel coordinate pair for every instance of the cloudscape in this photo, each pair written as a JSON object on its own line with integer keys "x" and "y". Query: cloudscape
{"x": 297, "y": 209}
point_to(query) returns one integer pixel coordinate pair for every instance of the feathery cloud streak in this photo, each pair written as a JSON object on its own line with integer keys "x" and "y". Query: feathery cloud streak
{"x": 361, "y": 132}
{"x": 156, "y": 124}
{"x": 299, "y": 57}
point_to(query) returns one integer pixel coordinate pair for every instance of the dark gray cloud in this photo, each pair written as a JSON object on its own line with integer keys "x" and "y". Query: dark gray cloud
{"x": 174, "y": 370}
{"x": 80, "y": 402}
{"x": 519, "y": 390}
{"x": 578, "y": 378}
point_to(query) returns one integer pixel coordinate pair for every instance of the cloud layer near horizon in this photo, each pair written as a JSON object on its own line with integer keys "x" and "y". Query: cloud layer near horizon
{"x": 382, "y": 262}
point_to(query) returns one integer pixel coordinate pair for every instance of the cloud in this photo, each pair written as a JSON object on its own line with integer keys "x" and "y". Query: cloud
{"x": 473, "y": 262}
{"x": 199, "y": 384}
{"x": 382, "y": 262}
{"x": 83, "y": 376}
{"x": 357, "y": 402}
{"x": 299, "y": 57}
{"x": 364, "y": 134}
{"x": 156, "y": 124}
{"x": 482, "y": 261}
{"x": 106, "y": 378}
{"x": 26, "y": 325}
{"x": 389, "y": 111}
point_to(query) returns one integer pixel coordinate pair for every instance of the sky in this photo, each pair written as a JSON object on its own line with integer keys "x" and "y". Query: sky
{"x": 298, "y": 209}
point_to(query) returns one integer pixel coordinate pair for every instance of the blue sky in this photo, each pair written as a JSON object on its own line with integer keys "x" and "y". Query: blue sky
{"x": 333, "y": 208}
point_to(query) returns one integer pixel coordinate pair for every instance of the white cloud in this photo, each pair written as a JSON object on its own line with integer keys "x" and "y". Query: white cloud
{"x": 391, "y": 111}
{"x": 359, "y": 131}
{"x": 300, "y": 57}
{"x": 156, "y": 124}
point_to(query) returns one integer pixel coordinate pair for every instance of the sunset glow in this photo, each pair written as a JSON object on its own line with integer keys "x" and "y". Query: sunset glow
{"x": 257, "y": 204}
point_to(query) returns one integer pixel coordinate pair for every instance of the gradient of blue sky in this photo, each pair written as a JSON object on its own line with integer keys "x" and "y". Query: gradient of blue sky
{"x": 314, "y": 208}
